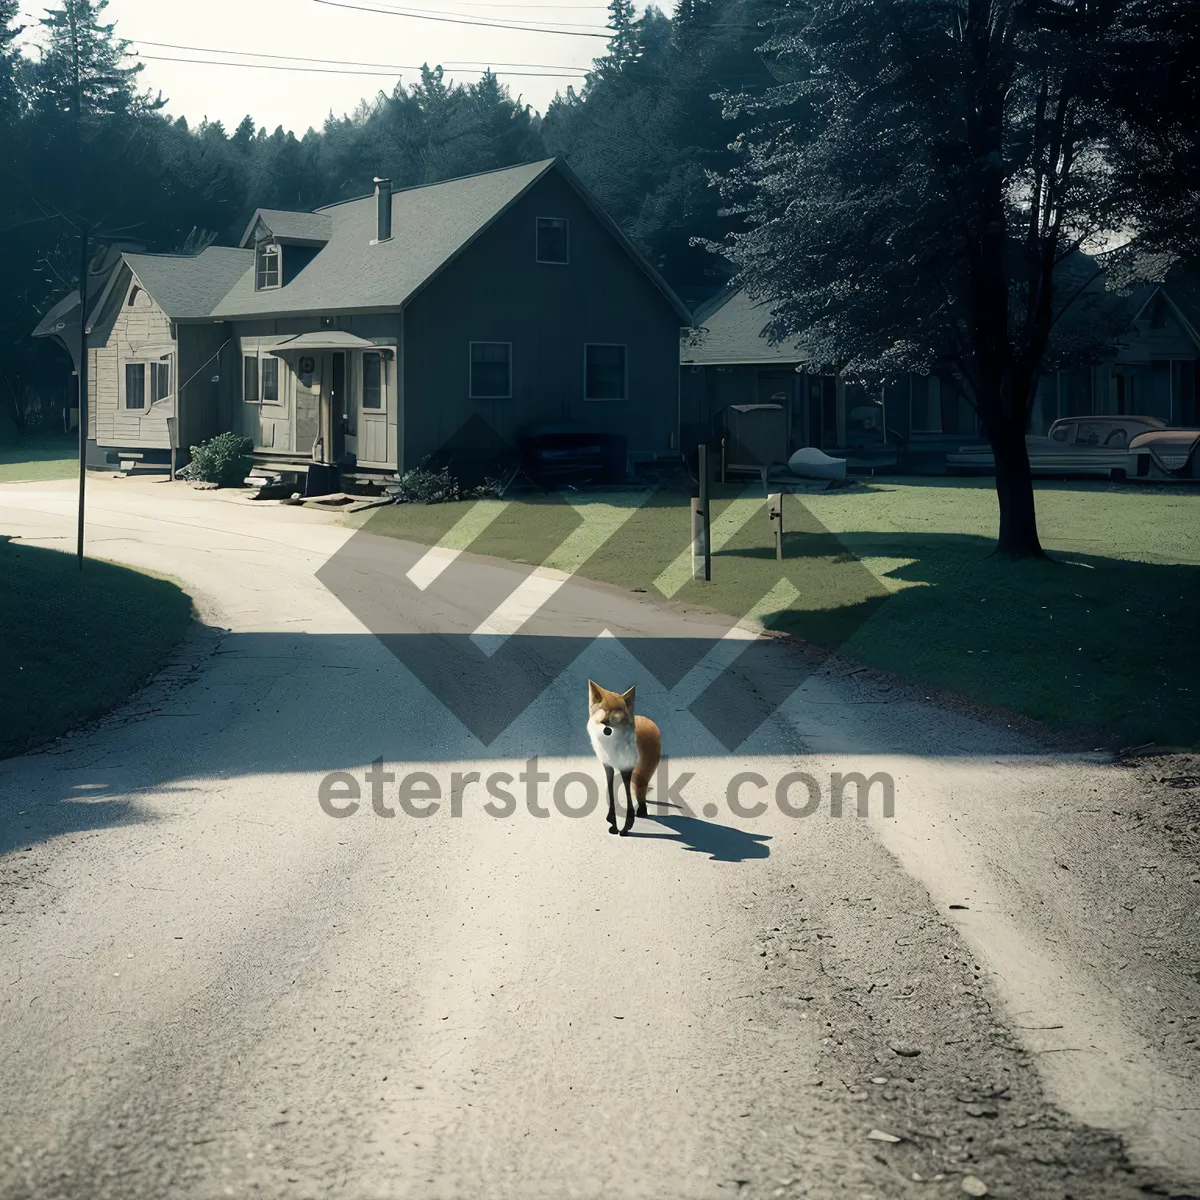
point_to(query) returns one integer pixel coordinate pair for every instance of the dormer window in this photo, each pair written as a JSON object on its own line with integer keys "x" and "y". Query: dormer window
{"x": 268, "y": 266}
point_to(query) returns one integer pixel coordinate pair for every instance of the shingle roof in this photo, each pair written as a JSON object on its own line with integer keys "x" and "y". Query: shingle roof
{"x": 189, "y": 286}
{"x": 430, "y": 224}
{"x": 730, "y": 330}
{"x": 313, "y": 228}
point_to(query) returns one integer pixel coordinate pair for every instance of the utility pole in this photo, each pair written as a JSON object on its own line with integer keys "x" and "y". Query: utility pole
{"x": 83, "y": 381}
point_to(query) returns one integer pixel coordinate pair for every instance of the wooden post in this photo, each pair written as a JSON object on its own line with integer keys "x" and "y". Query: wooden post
{"x": 704, "y": 500}
{"x": 722, "y": 460}
{"x": 697, "y": 531}
{"x": 775, "y": 513}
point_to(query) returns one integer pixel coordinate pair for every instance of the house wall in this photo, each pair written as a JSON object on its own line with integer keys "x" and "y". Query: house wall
{"x": 199, "y": 362}
{"x": 137, "y": 332}
{"x": 496, "y": 291}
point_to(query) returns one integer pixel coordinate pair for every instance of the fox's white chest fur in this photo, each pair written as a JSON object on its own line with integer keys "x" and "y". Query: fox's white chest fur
{"x": 617, "y": 749}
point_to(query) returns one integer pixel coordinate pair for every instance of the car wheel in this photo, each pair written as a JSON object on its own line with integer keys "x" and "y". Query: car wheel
{"x": 1117, "y": 475}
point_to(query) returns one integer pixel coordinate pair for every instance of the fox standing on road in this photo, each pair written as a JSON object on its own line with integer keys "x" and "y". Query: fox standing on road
{"x": 626, "y": 743}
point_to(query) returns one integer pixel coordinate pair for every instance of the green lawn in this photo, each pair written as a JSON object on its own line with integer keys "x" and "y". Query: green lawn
{"x": 1102, "y": 641}
{"x": 38, "y": 458}
{"x": 76, "y": 644}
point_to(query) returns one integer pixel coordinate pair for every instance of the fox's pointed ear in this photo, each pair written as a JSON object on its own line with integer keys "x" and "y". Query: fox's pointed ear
{"x": 628, "y": 697}
{"x": 595, "y": 693}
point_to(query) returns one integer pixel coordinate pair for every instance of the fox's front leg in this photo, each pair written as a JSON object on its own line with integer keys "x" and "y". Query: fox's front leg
{"x": 612, "y": 801}
{"x": 625, "y": 775}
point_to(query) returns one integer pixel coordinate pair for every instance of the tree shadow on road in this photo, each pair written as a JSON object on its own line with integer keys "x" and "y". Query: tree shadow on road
{"x": 722, "y": 843}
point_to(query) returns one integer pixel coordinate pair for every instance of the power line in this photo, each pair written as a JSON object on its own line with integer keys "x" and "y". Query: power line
{"x": 462, "y": 20}
{"x": 349, "y": 62}
{"x": 390, "y": 74}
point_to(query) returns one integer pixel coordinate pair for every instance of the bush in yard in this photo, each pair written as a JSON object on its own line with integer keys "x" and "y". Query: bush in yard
{"x": 223, "y": 460}
{"x": 423, "y": 485}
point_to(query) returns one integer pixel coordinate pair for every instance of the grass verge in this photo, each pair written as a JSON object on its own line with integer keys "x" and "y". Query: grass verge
{"x": 33, "y": 458}
{"x": 76, "y": 644}
{"x": 1099, "y": 641}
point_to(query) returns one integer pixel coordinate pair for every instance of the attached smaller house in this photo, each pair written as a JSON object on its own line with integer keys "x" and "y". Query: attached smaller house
{"x": 375, "y": 333}
{"x": 153, "y": 352}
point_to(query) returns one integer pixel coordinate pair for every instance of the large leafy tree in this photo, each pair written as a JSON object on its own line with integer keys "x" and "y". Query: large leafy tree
{"x": 922, "y": 181}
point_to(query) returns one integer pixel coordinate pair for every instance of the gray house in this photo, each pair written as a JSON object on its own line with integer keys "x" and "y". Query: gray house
{"x": 374, "y": 333}
{"x": 1139, "y": 354}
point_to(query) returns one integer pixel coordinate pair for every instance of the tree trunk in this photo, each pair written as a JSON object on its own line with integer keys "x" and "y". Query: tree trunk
{"x": 1014, "y": 490}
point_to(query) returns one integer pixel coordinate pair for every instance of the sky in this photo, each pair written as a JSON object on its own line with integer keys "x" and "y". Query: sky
{"x": 464, "y": 38}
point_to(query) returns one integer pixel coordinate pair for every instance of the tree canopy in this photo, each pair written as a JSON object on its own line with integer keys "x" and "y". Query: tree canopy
{"x": 924, "y": 179}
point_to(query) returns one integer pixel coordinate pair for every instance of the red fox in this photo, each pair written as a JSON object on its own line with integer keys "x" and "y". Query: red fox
{"x": 626, "y": 743}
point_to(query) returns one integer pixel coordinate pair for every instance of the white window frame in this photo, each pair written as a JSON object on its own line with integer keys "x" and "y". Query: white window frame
{"x": 383, "y": 354}
{"x": 258, "y": 354}
{"x": 126, "y": 407}
{"x": 537, "y": 228}
{"x": 624, "y": 382}
{"x": 471, "y": 371}
{"x": 169, "y": 361}
{"x": 260, "y": 252}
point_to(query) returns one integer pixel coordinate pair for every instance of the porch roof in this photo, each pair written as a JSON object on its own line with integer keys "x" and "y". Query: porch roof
{"x": 331, "y": 339}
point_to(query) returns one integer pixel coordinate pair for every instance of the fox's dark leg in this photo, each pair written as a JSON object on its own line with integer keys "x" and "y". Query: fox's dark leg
{"x": 612, "y": 803}
{"x": 628, "y": 804}
{"x": 641, "y": 806}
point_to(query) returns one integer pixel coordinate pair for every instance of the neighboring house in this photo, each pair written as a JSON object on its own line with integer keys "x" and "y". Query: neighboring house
{"x": 1150, "y": 367}
{"x": 726, "y": 359}
{"x": 376, "y": 332}
{"x": 1143, "y": 349}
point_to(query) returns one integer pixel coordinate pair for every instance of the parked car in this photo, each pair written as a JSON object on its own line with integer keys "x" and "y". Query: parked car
{"x": 1114, "y": 447}
{"x": 1172, "y": 453}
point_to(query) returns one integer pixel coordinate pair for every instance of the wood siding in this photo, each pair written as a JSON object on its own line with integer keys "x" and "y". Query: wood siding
{"x": 496, "y": 291}
{"x": 140, "y": 332}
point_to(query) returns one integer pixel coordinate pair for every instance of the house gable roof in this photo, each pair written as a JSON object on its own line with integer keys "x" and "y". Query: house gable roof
{"x": 188, "y": 287}
{"x": 432, "y": 224}
{"x": 729, "y": 330}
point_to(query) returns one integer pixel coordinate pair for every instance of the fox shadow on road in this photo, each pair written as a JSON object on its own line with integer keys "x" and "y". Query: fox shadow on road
{"x": 722, "y": 843}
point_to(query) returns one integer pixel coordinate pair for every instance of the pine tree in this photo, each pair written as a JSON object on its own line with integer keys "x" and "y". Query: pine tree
{"x": 625, "y": 43}
{"x": 9, "y": 59}
{"x": 81, "y": 70}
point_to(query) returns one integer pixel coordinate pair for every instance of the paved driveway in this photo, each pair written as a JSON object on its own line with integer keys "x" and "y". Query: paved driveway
{"x": 210, "y": 986}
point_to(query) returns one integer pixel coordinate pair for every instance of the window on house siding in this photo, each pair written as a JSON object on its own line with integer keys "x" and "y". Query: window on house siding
{"x": 372, "y": 380}
{"x": 552, "y": 240}
{"x": 491, "y": 370}
{"x": 603, "y": 372}
{"x": 270, "y": 380}
{"x": 268, "y": 266}
{"x": 135, "y": 385}
{"x": 250, "y": 378}
{"x": 160, "y": 380}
